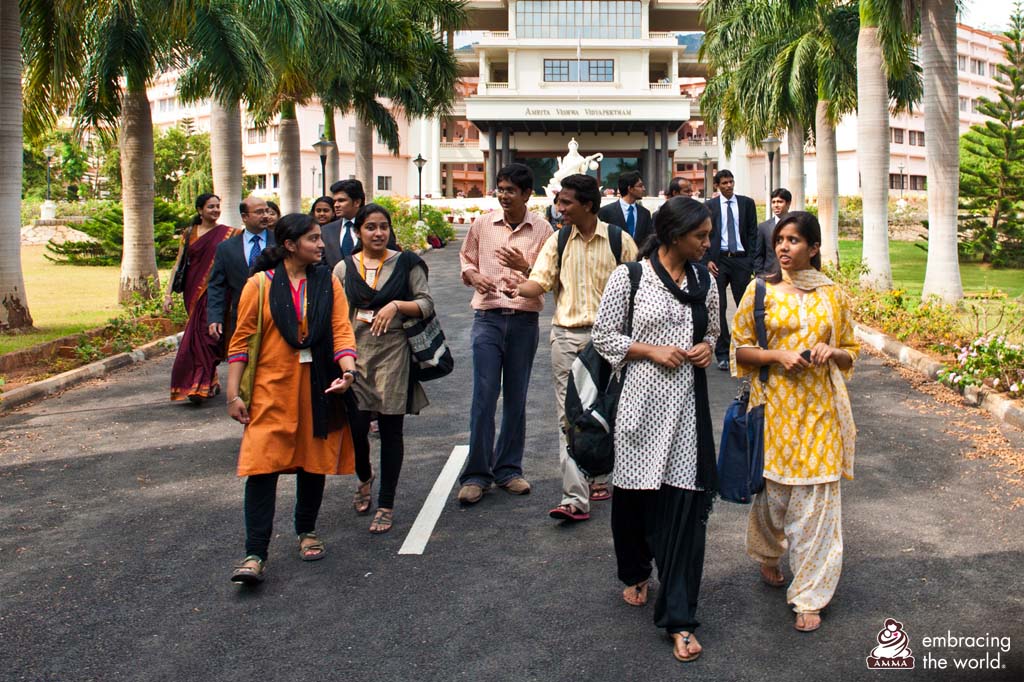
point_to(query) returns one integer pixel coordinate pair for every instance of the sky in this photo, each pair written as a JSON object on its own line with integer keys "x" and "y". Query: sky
{"x": 987, "y": 14}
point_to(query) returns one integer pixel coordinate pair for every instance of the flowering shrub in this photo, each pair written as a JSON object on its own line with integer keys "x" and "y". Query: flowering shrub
{"x": 988, "y": 361}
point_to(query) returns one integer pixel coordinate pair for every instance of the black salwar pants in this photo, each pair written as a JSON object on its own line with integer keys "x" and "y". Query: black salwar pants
{"x": 668, "y": 525}
{"x": 261, "y": 500}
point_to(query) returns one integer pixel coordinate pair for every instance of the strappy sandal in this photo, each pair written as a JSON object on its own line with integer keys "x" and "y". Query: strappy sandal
{"x": 382, "y": 521}
{"x": 599, "y": 492}
{"x": 361, "y": 500}
{"x": 801, "y": 622}
{"x": 311, "y": 551}
{"x": 247, "y": 574}
{"x": 636, "y": 595}
{"x": 685, "y": 637}
{"x": 770, "y": 579}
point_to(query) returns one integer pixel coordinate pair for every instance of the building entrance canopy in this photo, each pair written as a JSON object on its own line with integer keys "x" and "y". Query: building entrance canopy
{"x": 572, "y": 115}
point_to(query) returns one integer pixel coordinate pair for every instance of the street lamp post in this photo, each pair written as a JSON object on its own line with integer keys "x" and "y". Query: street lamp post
{"x": 901, "y": 182}
{"x": 312, "y": 182}
{"x": 323, "y": 146}
{"x": 771, "y": 145}
{"x": 49, "y": 151}
{"x": 48, "y": 211}
{"x": 707, "y": 181}
{"x": 420, "y": 163}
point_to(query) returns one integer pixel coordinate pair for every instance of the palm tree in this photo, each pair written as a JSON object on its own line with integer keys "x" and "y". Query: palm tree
{"x": 884, "y": 59}
{"x": 404, "y": 60}
{"x": 14, "y": 313}
{"x": 938, "y": 57}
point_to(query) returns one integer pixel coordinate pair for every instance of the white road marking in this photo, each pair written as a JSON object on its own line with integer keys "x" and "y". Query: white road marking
{"x": 423, "y": 526}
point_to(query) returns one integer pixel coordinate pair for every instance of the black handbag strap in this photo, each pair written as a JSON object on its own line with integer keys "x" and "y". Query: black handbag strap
{"x": 760, "y": 291}
{"x": 635, "y": 272}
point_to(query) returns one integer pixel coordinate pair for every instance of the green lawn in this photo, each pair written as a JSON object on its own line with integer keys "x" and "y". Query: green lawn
{"x": 64, "y": 299}
{"x": 908, "y": 265}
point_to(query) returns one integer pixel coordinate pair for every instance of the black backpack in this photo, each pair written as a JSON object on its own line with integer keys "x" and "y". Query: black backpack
{"x": 592, "y": 400}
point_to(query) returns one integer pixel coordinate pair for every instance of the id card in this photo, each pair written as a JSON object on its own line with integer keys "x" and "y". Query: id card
{"x": 305, "y": 355}
{"x": 365, "y": 316}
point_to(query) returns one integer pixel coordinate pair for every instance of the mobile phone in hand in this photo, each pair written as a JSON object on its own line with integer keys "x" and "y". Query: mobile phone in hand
{"x": 806, "y": 355}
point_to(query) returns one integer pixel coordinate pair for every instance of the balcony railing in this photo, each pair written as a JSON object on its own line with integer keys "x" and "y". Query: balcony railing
{"x": 497, "y": 86}
{"x": 496, "y": 34}
{"x": 658, "y": 35}
{"x": 660, "y": 86}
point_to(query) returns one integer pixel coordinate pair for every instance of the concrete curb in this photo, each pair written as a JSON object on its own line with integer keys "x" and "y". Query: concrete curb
{"x": 94, "y": 370}
{"x": 1001, "y": 408}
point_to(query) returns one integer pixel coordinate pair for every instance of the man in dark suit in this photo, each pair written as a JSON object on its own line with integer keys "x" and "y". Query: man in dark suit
{"x": 730, "y": 256}
{"x": 765, "y": 261}
{"x": 231, "y": 263}
{"x": 340, "y": 235}
{"x": 628, "y": 212}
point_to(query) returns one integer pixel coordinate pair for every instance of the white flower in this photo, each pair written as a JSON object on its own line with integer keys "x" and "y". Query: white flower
{"x": 1014, "y": 387}
{"x": 995, "y": 383}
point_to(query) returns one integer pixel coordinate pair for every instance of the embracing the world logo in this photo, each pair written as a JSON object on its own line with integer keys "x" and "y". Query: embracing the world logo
{"x": 893, "y": 650}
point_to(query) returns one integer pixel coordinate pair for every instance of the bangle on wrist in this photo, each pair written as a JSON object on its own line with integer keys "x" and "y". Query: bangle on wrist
{"x": 237, "y": 397}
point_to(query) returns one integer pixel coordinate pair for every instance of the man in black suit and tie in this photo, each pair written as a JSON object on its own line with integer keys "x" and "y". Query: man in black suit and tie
{"x": 730, "y": 257}
{"x": 765, "y": 261}
{"x": 628, "y": 212}
{"x": 231, "y": 264}
{"x": 339, "y": 236}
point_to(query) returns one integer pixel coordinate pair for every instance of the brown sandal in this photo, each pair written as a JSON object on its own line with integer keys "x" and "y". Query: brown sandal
{"x": 770, "y": 577}
{"x": 382, "y": 521}
{"x": 246, "y": 574}
{"x": 636, "y": 595}
{"x": 801, "y": 622}
{"x": 361, "y": 500}
{"x": 311, "y": 551}
{"x": 687, "y": 656}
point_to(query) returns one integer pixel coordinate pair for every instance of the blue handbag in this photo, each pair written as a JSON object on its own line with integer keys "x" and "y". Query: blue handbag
{"x": 741, "y": 449}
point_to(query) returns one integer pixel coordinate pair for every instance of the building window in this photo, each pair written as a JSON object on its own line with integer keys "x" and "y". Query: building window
{"x": 259, "y": 181}
{"x": 167, "y": 105}
{"x": 574, "y": 19}
{"x": 897, "y": 135}
{"x": 918, "y": 182}
{"x": 582, "y": 70}
{"x": 383, "y": 183}
{"x": 977, "y": 67}
{"x": 277, "y": 180}
{"x": 917, "y": 138}
{"x": 975, "y": 103}
{"x": 256, "y": 135}
{"x": 896, "y": 180}
{"x": 961, "y": 62}
{"x": 965, "y": 104}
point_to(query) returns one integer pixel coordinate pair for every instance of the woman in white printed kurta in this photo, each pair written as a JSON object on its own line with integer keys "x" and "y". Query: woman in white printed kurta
{"x": 809, "y": 432}
{"x": 664, "y": 476}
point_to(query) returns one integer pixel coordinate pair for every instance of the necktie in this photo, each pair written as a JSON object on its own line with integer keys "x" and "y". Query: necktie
{"x": 346, "y": 241}
{"x": 631, "y": 220}
{"x": 255, "y": 251}
{"x": 730, "y": 226}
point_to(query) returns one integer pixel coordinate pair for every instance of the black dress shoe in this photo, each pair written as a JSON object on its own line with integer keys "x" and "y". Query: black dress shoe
{"x": 723, "y": 365}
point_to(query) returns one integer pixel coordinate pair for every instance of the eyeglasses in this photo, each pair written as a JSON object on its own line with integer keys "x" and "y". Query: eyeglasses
{"x": 506, "y": 190}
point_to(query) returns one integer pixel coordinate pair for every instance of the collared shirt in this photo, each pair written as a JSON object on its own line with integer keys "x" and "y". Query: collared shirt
{"x": 586, "y": 266}
{"x": 625, "y": 209}
{"x": 247, "y": 238}
{"x": 349, "y": 225}
{"x": 725, "y": 221}
{"x": 479, "y": 253}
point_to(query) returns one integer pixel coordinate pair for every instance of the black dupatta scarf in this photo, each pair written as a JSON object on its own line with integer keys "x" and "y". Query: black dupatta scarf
{"x": 328, "y": 410}
{"x": 364, "y": 297}
{"x": 698, "y": 282}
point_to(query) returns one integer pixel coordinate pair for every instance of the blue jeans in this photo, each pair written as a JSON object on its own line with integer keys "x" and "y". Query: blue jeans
{"x": 503, "y": 350}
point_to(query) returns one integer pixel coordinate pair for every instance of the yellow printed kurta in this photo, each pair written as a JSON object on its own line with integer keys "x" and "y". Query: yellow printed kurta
{"x": 803, "y": 439}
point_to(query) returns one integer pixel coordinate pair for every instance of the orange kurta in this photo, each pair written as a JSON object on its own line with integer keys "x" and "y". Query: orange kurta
{"x": 279, "y": 437}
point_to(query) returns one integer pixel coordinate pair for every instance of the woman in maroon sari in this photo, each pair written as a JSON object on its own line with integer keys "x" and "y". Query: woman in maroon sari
{"x": 194, "y": 375}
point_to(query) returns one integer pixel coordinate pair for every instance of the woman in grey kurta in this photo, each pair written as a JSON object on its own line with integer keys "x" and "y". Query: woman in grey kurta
{"x": 385, "y": 287}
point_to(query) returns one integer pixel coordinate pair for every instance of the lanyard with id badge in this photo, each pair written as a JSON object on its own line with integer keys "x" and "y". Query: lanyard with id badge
{"x": 368, "y": 315}
{"x": 305, "y": 354}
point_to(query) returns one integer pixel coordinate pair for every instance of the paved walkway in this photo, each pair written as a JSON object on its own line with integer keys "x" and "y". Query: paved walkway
{"x": 121, "y": 518}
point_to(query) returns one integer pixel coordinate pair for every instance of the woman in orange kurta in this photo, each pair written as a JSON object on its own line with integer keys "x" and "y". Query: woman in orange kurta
{"x": 296, "y": 421}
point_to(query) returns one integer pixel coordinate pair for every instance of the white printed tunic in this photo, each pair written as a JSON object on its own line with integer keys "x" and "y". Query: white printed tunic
{"x": 656, "y": 424}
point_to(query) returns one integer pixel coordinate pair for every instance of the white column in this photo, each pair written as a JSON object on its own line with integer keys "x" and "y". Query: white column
{"x": 417, "y": 145}
{"x": 512, "y": 68}
{"x": 434, "y": 187}
{"x": 645, "y": 18}
{"x": 485, "y": 73}
{"x": 512, "y": 19}
{"x": 674, "y": 76}
{"x": 645, "y": 69}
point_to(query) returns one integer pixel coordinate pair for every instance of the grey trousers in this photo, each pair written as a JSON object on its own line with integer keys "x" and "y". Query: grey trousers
{"x": 566, "y": 343}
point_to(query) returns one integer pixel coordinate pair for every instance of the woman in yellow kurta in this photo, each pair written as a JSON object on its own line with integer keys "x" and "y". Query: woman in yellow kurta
{"x": 809, "y": 433}
{"x": 296, "y": 422}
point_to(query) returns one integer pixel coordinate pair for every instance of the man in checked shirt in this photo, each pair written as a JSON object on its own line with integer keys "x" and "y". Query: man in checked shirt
{"x": 505, "y": 335}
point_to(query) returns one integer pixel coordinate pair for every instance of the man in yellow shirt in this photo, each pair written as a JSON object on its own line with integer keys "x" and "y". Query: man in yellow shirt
{"x": 577, "y": 272}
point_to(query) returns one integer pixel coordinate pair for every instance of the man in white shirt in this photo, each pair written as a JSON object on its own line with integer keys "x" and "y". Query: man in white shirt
{"x": 628, "y": 212}
{"x": 765, "y": 262}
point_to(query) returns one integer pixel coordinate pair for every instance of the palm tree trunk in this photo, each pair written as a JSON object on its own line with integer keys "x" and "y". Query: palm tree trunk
{"x": 333, "y": 160}
{"x": 364, "y": 157}
{"x": 226, "y": 159}
{"x": 828, "y": 183}
{"x": 795, "y": 139}
{"x": 873, "y": 155}
{"x": 290, "y": 160}
{"x": 13, "y": 303}
{"x": 138, "y": 261}
{"x": 938, "y": 59}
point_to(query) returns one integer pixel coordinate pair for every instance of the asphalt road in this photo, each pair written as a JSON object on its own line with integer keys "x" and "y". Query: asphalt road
{"x": 121, "y": 517}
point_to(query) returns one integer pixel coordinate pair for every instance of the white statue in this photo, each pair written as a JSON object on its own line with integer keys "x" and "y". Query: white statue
{"x": 571, "y": 164}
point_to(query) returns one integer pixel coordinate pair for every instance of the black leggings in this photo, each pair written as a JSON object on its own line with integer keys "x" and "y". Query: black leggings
{"x": 392, "y": 452}
{"x": 261, "y": 499}
{"x": 668, "y": 525}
